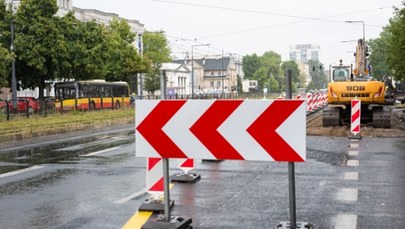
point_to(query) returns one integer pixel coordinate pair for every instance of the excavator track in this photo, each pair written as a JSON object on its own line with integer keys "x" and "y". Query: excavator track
{"x": 382, "y": 118}
{"x": 330, "y": 117}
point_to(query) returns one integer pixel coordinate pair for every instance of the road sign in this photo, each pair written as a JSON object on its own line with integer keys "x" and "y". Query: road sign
{"x": 261, "y": 130}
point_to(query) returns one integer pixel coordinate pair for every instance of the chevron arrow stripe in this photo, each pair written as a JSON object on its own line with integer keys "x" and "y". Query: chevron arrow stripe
{"x": 151, "y": 128}
{"x": 264, "y": 130}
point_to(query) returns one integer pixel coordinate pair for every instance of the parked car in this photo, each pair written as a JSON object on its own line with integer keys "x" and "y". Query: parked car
{"x": 2, "y": 105}
{"x": 23, "y": 103}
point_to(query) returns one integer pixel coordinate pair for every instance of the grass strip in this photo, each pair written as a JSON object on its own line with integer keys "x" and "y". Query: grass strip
{"x": 21, "y": 127}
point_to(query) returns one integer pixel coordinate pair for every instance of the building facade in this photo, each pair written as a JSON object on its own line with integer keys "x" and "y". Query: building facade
{"x": 304, "y": 52}
{"x": 178, "y": 82}
{"x": 66, "y": 6}
{"x": 213, "y": 75}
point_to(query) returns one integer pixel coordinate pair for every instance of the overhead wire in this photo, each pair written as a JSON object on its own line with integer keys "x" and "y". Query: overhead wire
{"x": 325, "y": 19}
{"x": 305, "y": 19}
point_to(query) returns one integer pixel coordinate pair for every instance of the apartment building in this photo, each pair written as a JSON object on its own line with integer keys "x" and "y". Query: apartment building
{"x": 84, "y": 15}
{"x": 213, "y": 75}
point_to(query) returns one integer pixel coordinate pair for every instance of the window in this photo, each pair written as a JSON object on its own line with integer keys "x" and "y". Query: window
{"x": 340, "y": 74}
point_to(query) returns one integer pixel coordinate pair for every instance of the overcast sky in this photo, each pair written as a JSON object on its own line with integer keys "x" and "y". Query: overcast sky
{"x": 255, "y": 26}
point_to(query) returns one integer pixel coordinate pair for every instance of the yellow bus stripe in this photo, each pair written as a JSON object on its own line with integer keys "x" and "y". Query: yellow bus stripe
{"x": 137, "y": 220}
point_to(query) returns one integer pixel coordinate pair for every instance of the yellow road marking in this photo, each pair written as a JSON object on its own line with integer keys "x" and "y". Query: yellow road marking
{"x": 140, "y": 218}
{"x": 137, "y": 220}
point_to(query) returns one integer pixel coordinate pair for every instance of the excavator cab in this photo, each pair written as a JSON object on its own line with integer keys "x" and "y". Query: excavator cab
{"x": 340, "y": 74}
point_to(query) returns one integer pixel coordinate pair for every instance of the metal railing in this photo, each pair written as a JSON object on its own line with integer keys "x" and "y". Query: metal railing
{"x": 25, "y": 107}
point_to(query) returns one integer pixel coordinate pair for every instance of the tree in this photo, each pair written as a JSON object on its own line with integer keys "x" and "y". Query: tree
{"x": 396, "y": 44}
{"x": 265, "y": 69}
{"x": 5, "y": 55}
{"x": 262, "y": 77}
{"x": 86, "y": 53}
{"x": 123, "y": 60}
{"x": 156, "y": 51}
{"x": 318, "y": 77}
{"x": 250, "y": 65}
{"x": 378, "y": 55}
{"x": 272, "y": 62}
{"x": 39, "y": 43}
{"x": 5, "y": 62}
{"x": 386, "y": 51}
{"x": 297, "y": 81}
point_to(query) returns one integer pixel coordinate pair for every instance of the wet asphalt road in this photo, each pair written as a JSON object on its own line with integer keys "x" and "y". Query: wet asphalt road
{"x": 99, "y": 183}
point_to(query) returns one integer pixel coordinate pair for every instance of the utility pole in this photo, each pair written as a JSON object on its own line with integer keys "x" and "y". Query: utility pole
{"x": 140, "y": 75}
{"x": 223, "y": 73}
{"x": 13, "y": 76}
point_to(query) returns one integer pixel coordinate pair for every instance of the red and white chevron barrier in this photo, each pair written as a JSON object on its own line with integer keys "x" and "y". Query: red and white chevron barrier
{"x": 186, "y": 165}
{"x": 154, "y": 186}
{"x": 186, "y": 177}
{"x": 355, "y": 116}
{"x": 309, "y": 101}
{"x": 154, "y": 176}
{"x": 324, "y": 98}
{"x": 268, "y": 130}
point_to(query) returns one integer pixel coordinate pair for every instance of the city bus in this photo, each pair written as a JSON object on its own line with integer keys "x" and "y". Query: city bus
{"x": 91, "y": 95}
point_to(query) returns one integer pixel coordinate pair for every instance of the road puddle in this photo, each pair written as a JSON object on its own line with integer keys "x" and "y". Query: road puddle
{"x": 61, "y": 152}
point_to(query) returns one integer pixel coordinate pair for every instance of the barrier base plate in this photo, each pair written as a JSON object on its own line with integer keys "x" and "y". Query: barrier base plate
{"x": 355, "y": 136}
{"x": 154, "y": 206}
{"x": 185, "y": 177}
{"x": 176, "y": 222}
{"x": 300, "y": 225}
{"x": 211, "y": 160}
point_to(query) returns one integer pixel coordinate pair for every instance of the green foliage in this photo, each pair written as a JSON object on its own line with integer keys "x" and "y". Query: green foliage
{"x": 269, "y": 71}
{"x": 297, "y": 81}
{"x": 396, "y": 44}
{"x": 387, "y": 51}
{"x": 49, "y": 47}
{"x": 5, "y": 56}
{"x": 156, "y": 51}
{"x": 5, "y": 62}
{"x": 251, "y": 63}
{"x": 378, "y": 56}
{"x": 319, "y": 79}
{"x": 152, "y": 81}
{"x": 39, "y": 45}
{"x": 156, "y": 48}
{"x": 123, "y": 60}
{"x": 262, "y": 77}
{"x": 271, "y": 61}
{"x": 86, "y": 58}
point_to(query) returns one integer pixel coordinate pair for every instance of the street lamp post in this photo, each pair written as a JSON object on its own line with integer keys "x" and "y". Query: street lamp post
{"x": 223, "y": 73}
{"x": 13, "y": 77}
{"x": 364, "y": 34}
{"x": 192, "y": 67}
{"x": 362, "y": 64}
{"x": 140, "y": 50}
